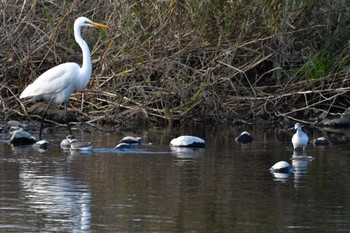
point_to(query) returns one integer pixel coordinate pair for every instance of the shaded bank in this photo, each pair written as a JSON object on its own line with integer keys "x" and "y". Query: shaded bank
{"x": 182, "y": 62}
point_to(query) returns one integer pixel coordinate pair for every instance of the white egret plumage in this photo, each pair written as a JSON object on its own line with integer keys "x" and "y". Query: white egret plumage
{"x": 58, "y": 83}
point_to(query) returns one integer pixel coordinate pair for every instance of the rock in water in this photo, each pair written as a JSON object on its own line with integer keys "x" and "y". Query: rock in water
{"x": 131, "y": 140}
{"x": 244, "y": 138}
{"x": 281, "y": 167}
{"x": 321, "y": 141}
{"x": 125, "y": 146}
{"x": 188, "y": 141}
{"x": 41, "y": 146}
{"x": 21, "y": 137}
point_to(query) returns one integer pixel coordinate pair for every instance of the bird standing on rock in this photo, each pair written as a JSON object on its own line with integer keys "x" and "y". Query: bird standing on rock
{"x": 59, "y": 82}
{"x": 299, "y": 139}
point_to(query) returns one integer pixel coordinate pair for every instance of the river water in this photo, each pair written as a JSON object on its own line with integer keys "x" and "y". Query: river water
{"x": 225, "y": 188}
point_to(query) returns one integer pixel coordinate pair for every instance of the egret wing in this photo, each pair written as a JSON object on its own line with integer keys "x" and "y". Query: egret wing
{"x": 58, "y": 79}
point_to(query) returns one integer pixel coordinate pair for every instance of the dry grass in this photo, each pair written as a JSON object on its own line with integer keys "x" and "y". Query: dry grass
{"x": 171, "y": 61}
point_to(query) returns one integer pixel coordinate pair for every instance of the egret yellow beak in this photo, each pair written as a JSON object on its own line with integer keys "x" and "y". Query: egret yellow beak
{"x": 99, "y": 25}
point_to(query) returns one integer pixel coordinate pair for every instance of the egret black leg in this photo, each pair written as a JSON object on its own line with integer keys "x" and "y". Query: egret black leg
{"x": 67, "y": 120}
{"x": 43, "y": 117}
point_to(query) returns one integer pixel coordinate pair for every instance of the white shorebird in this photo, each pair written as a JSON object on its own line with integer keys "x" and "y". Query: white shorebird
{"x": 65, "y": 143}
{"x": 81, "y": 146}
{"x": 71, "y": 143}
{"x": 299, "y": 139}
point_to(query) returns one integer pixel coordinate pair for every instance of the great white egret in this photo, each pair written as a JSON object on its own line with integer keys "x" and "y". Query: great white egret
{"x": 59, "y": 82}
{"x": 299, "y": 139}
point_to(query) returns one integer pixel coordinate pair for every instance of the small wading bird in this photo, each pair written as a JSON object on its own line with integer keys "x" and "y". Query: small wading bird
{"x": 299, "y": 139}
{"x": 59, "y": 82}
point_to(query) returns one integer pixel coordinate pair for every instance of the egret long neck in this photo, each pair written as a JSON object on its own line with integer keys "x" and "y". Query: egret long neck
{"x": 86, "y": 68}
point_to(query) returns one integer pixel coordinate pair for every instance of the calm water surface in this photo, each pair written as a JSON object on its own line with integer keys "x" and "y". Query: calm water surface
{"x": 225, "y": 188}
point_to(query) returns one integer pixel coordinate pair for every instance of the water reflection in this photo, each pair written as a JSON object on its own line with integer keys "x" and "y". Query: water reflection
{"x": 300, "y": 162}
{"x": 156, "y": 188}
{"x": 60, "y": 201}
{"x": 21, "y": 149}
{"x": 187, "y": 152}
{"x": 78, "y": 152}
{"x": 281, "y": 176}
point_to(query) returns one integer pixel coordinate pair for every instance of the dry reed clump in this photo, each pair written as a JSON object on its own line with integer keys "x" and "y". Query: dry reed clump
{"x": 170, "y": 61}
